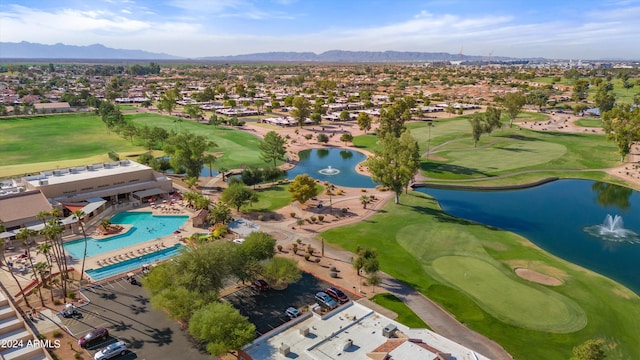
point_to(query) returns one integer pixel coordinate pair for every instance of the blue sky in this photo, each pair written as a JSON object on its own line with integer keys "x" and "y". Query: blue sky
{"x": 568, "y": 29}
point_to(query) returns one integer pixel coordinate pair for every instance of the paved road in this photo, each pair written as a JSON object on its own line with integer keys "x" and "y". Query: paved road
{"x": 439, "y": 320}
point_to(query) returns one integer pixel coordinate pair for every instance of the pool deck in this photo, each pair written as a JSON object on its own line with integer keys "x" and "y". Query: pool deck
{"x": 107, "y": 258}
{"x": 137, "y": 250}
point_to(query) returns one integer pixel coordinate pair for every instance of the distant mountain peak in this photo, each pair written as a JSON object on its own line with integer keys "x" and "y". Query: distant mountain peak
{"x": 28, "y": 50}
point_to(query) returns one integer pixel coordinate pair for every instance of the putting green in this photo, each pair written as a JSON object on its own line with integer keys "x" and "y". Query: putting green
{"x": 505, "y": 155}
{"x": 508, "y": 299}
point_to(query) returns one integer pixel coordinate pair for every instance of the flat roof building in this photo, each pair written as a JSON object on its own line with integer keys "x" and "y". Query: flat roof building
{"x": 354, "y": 332}
{"x": 91, "y": 188}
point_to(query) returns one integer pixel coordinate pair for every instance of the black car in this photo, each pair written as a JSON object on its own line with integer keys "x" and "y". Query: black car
{"x": 94, "y": 337}
{"x": 337, "y": 294}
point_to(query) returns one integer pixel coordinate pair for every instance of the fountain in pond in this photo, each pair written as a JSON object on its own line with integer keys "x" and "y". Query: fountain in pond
{"x": 329, "y": 171}
{"x": 612, "y": 229}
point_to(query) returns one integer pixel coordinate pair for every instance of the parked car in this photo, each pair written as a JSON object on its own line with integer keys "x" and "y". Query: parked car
{"x": 94, "y": 337}
{"x": 337, "y": 295}
{"x": 292, "y": 312}
{"x": 260, "y": 285}
{"x": 115, "y": 349}
{"x": 325, "y": 300}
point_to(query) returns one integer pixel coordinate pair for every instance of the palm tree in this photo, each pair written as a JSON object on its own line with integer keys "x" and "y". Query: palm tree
{"x": 223, "y": 171}
{"x": 10, "y": 267}
{"x": 42, "y": 269}
{"x": 45, "y": 248}
{"x": 209, "y": 159}
{"x": 50, "y": 239}
{"x": 56, "y": 213}
{"x": 105, "y": 224}
{"x": 329, "y": 191}
{"x": 79, "y": 215}
{"x": 53, "y": 231}
{"x": 364, "y": 199}
{"x": 25, "y": 235}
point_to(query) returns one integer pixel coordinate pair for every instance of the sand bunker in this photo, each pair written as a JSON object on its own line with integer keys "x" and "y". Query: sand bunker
{"x": 537, "y": 277}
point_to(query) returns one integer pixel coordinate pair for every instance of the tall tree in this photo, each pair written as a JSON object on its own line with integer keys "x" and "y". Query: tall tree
{"x": 186, "y": 151}
{"x": 364, "y": 122}
{"x": 366, "y": 259}
{"x": 302, "y": 109}
{"x": 44, "y": 248}
{"x": 622, "y": 125}
{"x": 396, "y": 163}
{"x": 10, "y": 266}
{"x": 209, "y": 159}
{"x": 513, "y": 103}
{"x": 538, "y": 98}
{"x": 27, "y": 235}
{"x": 604, "y": 99}
{"x": 280, "y": 270}
{"x": 580, "y": 90}
{"x": 79, "y": 215}
{"x": 193, "y": 111}
{"x": 303, "y": 188}
{"x": 238, "y": 195}
{"x": 492, "y": 118}
{"x": 273, "y": 148}
{"x": 392, "y": 119}
{"x": 477, "y": 127}
{"x": 221, "y": 327}
{"x": 168, "y": 100}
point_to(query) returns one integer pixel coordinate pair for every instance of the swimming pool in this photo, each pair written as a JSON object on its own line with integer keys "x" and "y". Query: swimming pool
{"x": 133, "y": 264}
{"x": 146, "y": 227}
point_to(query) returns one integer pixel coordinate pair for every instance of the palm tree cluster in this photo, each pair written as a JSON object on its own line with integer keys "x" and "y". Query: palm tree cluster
{"x": 53, "y": 251}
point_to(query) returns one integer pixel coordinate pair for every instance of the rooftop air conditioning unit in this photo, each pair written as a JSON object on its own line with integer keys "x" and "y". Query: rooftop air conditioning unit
{"x": 44, "y": 182}
{"x": 389, "y": 331}
{"x": 304, "y": 331}
{"x": 284, "y": 349}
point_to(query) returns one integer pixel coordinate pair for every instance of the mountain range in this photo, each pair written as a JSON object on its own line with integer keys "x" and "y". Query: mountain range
{"x": 27, "y": 50}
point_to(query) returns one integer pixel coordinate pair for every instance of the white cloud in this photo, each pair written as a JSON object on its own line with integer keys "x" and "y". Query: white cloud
{"x": 190, "y": 31}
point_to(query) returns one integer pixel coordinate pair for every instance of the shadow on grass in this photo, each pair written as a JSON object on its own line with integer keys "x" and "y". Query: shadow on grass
{"x": 432, "y": 167}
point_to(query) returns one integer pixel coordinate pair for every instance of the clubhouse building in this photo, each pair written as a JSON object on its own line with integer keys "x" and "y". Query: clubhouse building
{"x": 91, "y": 188}
{"x": 355, "y": 332}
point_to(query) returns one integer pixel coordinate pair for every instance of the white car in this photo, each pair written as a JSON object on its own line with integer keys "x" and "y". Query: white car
{"x": 292, "y": 312}
{"x": 115, "y": 349}
{"x": 238, "y": 241}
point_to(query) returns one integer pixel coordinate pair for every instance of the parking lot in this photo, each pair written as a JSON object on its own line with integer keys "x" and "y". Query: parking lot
{"x": 266, "y": 309}
{"x": 125, "y": 311}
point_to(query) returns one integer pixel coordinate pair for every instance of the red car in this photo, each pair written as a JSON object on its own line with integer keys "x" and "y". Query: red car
{"x": 337, "y": 294}
{"x": 260, "y": 285}
{"x": 94, "y": 337}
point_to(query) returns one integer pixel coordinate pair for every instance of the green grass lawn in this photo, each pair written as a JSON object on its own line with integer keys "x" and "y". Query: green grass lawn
{"x": 405, "y": 315}
{"x": 507, "y": 150}
{"x": 422, "y": 246}
{"x": 28, "y": 140}
{"x": 590, "y": 122}
{"x": 274, "y": 198}
{"x": 238, "y": 147}
{"x": 507, "y": 298}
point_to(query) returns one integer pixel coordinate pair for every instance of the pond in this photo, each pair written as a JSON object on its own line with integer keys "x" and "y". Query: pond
{"x": 335, "y": 165}
{"x": 592, "y": 224}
